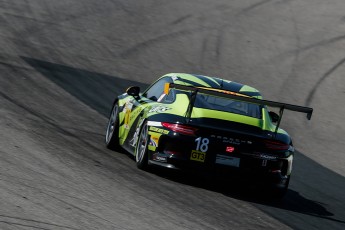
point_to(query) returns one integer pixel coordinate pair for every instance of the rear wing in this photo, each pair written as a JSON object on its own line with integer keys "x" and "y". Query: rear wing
{"x": 238, "y": 97}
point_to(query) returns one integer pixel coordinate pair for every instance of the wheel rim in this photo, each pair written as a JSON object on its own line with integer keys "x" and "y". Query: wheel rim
{"x": 142, "y": 144}
{"x": 111, "y": 124}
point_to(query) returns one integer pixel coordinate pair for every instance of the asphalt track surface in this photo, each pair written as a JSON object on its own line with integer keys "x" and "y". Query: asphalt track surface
{"x": 62, "y": 63}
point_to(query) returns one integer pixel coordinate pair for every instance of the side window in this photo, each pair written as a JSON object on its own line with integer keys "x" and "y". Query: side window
{"x": 157, "y": 89}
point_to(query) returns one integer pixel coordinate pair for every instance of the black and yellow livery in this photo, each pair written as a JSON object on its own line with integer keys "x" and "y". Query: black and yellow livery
{"x": 186, "y": 121}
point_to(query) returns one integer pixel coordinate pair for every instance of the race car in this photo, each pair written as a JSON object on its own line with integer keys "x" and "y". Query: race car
{"x": 188, "y": 121}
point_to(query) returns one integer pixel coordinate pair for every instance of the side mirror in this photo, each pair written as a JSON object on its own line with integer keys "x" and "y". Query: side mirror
{"x": 133, "y": 91}
{"x": 274, "y": 117}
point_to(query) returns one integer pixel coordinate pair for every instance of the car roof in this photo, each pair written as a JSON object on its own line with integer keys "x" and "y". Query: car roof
{"x": 213, "y": 82}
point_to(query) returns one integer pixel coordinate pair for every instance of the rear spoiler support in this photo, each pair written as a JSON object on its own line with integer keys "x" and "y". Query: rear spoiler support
{"x": 281, "y": 111}
{"x": 191, "y": 104}
{"x": 238, "y": 97}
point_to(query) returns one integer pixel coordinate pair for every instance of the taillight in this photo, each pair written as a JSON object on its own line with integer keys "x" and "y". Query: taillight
{"x": 183, "y": 129}
{"x": 276, "y": 145}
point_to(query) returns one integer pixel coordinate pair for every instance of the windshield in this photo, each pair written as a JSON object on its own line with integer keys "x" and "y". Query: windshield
{"x": 227, "y": 105}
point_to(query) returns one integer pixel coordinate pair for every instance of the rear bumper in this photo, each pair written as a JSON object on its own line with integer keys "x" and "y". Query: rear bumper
{"x": 248, "y": 169}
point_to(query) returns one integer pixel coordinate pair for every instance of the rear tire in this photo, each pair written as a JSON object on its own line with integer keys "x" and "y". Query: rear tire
{"x": 112, "y": 134}
{"x": 278, "y": 192}
{"x": 141, "y": 150}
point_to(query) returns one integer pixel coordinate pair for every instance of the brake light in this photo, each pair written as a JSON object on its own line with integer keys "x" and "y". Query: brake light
{"x": 183, "y": 129}
{"x": 276, "y": 145}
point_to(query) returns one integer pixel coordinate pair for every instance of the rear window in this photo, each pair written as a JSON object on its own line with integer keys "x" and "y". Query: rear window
{"x": 227, "y": 105}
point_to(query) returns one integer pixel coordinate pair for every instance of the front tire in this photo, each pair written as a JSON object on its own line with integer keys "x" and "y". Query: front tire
{"x": 141, "y": 150}
{"x": 112, "y": 134}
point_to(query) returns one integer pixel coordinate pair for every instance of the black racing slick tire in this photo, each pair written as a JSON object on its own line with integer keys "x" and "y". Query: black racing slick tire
{"x": 112, "y": 134}
{"x": 141, "y": 150}
{"x": 278, "y": 192}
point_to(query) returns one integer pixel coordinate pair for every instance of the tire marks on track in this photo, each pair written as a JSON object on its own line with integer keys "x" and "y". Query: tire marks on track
{"x": 139, "y": 47}
{"x": 324, "y": 77}
{"x": 104, "y": 177}
{"x": 29, "y": 223}
{"x": 254, "y": 6}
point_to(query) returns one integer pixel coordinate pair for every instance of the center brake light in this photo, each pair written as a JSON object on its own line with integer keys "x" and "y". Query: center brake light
{"x": 183, "y": 129}
{"x": 276, "y": 145}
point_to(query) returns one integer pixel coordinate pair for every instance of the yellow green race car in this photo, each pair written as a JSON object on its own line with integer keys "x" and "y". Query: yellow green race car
{"x": 186, "y": 121}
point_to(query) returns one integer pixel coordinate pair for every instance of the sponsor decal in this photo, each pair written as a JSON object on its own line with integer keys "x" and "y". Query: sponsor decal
{"x": 158, "y": 157}
{"x": 230, "y": 149}
{"x": 127, "y": 111}
{"x": 159, "y": 109}
{"x": 267, "y": 157}
{"x": 158, "y": 130}
{"x": 154, "y": 123}
{"x": 263, "y": 156}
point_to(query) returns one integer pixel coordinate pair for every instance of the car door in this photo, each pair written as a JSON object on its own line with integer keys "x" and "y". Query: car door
{"x": 134, "y": 111}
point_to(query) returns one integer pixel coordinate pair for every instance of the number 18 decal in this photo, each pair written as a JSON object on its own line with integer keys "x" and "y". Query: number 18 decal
{"x": 199, "y": 154}
{"x": 202, "y": 144}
